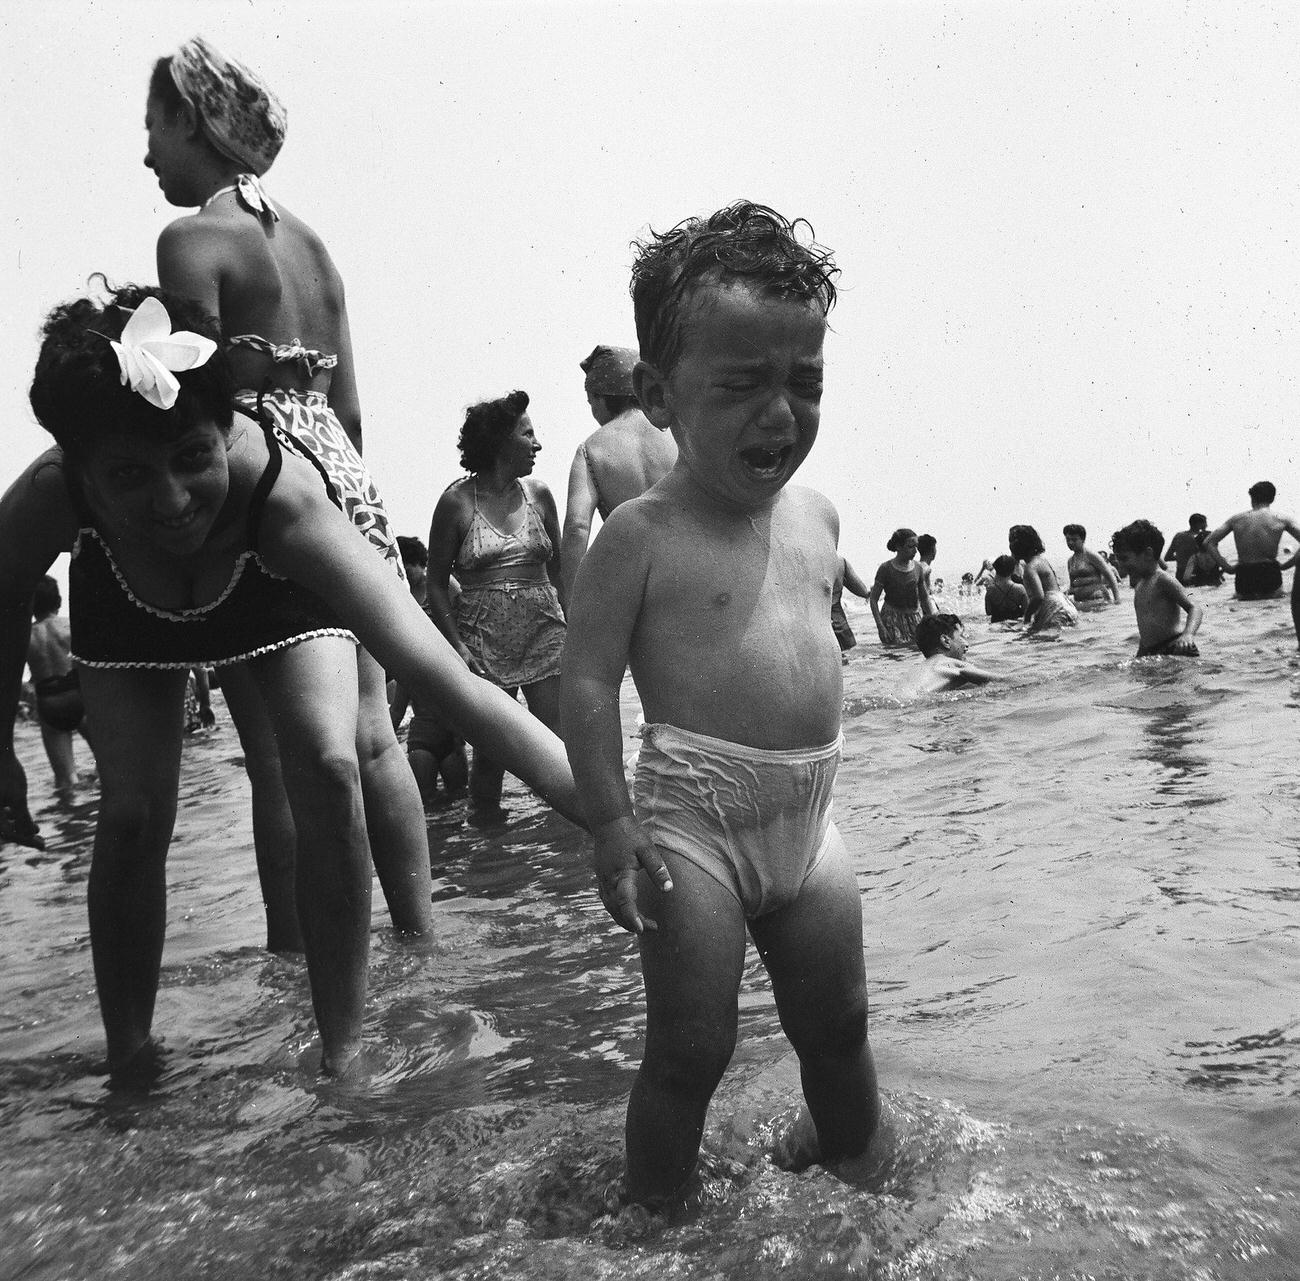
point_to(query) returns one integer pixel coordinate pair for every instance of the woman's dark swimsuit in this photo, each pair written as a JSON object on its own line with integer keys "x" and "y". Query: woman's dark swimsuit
{"x": 1002, "y": 604}
{"x": 257, "y": 612}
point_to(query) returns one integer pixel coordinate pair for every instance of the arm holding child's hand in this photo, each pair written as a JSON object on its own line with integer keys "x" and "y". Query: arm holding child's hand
{"x": 622, "y": 850}
{"x": 306, "y": 538}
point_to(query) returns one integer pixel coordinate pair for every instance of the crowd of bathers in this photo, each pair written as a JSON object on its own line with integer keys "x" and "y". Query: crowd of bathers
{"x": 206, "y": 480}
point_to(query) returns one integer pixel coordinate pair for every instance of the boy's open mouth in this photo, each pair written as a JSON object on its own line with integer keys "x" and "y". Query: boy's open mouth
{"x": 766, "y": 462}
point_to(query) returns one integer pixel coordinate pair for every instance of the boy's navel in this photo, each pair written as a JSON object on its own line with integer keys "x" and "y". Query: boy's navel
{"x": 722, "y": 600}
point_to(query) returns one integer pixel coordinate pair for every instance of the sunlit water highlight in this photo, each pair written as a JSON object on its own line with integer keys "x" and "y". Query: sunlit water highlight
{"x": 1080, "y": 891}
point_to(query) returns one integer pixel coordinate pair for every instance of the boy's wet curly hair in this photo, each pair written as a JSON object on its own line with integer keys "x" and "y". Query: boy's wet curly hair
{"x": 77, "y": 391}
{"x": 744, "y": 242}
{"x": 486, "y": 427}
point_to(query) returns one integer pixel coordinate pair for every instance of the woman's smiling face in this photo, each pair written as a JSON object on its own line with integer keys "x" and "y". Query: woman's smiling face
{"x": 164, "y": 493}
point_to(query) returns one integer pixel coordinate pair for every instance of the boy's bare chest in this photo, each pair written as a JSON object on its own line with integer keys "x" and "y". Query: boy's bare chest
{"x": 727, "y": 590}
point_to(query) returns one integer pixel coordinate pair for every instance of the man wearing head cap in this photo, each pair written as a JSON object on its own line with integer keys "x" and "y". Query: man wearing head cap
{"x": 621, "y": 459}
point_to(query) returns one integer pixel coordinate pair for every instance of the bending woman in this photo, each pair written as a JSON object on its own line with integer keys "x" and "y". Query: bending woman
{"x": 198, "y": 536}
{"x": 1046, "y": 606}
{"x": 498, "y": 530}
{"x": 213, "y": 130}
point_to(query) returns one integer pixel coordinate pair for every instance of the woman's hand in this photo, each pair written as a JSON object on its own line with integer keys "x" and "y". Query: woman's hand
{"x": 470, "y": 661}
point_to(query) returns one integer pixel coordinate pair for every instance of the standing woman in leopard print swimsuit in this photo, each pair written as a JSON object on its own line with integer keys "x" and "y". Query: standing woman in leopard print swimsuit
{"x": 214, "y": 127}
{"x": 499, "y": 532}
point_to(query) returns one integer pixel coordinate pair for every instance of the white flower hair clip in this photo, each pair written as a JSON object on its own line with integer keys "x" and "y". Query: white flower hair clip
{"x": 150, "y": 354}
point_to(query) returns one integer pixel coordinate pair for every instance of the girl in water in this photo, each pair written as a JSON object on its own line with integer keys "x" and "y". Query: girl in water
{"x": 903, "y": 584}
{"x": 214, "y": 128}
{"x": 1047, "y": 606}
{"x": 199, "y": 536}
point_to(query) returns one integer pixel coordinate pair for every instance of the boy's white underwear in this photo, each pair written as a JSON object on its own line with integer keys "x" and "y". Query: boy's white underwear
{"x": 757, "y": 821}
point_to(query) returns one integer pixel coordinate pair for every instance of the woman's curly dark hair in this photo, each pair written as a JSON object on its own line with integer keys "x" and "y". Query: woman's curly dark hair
{"x": 1024, "y": 543}
{"x": 899, "y": 537}
{"x": 745, "y": 242}
{"x": 77, "y": 391}
{"x": 486, "y": 427}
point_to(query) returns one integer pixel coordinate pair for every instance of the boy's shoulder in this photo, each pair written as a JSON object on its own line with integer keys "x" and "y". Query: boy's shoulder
{"x": 808, "y": 507}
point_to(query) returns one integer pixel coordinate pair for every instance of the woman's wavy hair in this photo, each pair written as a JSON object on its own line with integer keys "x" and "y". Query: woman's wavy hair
{"x": 77, "y": 391}
{"x": 485, "y": 429}
{"x": 1024, "y": 543}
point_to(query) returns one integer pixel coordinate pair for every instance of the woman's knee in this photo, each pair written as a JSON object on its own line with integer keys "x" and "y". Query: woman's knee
{"x": 328, "y": 777}
{"x": 136, "y": 817}
{"x": 375, "y": 738}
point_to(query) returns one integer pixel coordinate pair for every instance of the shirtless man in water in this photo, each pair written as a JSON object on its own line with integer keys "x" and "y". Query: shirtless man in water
{"x": 1257, "y": 534}
{"x": 620, "y": 460}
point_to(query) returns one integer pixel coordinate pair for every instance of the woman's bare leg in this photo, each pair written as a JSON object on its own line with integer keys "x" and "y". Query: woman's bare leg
{"x": 399, "y": 839}
{"x": 311, "y": 696}
{"x": 274, "y": 836}
{"x": 139, "y": 724}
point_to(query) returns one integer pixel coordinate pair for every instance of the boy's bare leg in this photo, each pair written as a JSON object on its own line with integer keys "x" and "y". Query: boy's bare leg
{"x": 813, "y": 953}
{"x": 138, "y": 732}
{"x": 691, "y": 966}
{"x": 399, "y": 839}
{"x": 311, "y": 696}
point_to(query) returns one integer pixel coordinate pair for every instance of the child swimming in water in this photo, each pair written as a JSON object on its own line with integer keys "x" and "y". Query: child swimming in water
{"x": 1158, "y": 597}
{"x": 199, "y": 536}
{"x": 715, "y": 585}
{"x": 941, "y": 638}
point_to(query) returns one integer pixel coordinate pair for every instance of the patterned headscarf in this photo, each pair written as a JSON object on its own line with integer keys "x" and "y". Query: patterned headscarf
{"x": 609, "y": 371}
{"x": 241, "y": 117}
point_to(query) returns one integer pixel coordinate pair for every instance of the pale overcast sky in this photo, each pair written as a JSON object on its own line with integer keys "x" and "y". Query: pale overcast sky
{"x": 1070, "y": 291}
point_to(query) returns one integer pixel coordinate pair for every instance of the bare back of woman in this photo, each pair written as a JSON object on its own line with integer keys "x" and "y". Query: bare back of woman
{"x": 214, "y": 129}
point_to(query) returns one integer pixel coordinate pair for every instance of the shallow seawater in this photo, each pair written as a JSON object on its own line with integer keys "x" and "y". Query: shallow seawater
{"x": 1081, "y": 893}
